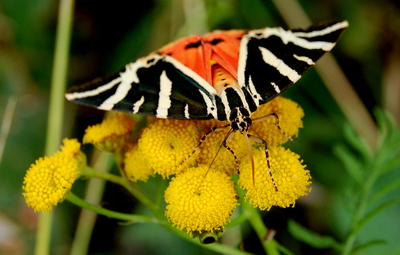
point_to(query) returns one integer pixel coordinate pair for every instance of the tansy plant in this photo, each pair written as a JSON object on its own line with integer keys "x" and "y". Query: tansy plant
{"x": 211, "y": 191}
{"x": 205, "y": 187}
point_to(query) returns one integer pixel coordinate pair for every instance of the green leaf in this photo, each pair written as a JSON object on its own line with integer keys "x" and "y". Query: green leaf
{"x": 374, "y": 212}
{"x": 382, "y": 122}
{"x": 387, "y": 154}
{"x": 387, "y": 128}
{"x": 351, "y": 163}
{"x": 391, "y": 165}
{"x": 385, "y": 190}
{"x": 353, "y": 139}
{"x": 367, "y": 245}
{"x": 311, "y": 238}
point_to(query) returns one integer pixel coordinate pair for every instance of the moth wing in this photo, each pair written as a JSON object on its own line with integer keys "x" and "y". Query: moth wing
{"x": 198, "y": 52}
{"x": 156, "y": 85}
{"x": 272, "y": 59}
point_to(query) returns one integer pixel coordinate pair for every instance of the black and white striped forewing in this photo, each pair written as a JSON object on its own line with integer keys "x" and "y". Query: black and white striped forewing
{"x": 156, "y": 85}
{"x": 272, "y": 59}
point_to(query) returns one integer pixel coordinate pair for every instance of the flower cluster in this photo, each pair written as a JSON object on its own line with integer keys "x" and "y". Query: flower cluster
{"x": 200, "y": 200}
{"x": 113, "y": 134}
{"x": 289, "y": 175}
{"x": 201, "y": 195}
{"x": 49, "y": 179}
{"x": 165, "y": 143}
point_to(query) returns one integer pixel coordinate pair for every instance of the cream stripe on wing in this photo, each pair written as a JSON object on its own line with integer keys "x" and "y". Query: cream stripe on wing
{"x": 93, "y": 92}
{"x": 164, "y": 100}
{"x": 304, "y": 59}
{"x": 136, "y": 106}
{"x": 324, "y": 31}
{"x": 186, "y": 112}
{"x": 283, "y": 69}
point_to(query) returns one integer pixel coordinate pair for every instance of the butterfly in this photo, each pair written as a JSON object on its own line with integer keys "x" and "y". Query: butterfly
{"x": 223, "y": 75}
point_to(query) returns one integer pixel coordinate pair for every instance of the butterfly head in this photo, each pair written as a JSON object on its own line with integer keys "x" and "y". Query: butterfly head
{"x": 240, "y": 119}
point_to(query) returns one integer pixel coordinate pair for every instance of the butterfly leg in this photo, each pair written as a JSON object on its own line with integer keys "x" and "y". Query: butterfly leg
{"x": 274, "y": 115}
{"x": 259, "y": 140}
{"x": 202, "y": 139}
{"x": 228, "y": 137}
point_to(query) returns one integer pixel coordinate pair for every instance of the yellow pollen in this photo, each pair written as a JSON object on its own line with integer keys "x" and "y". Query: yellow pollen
{"x": 200, "y": 200}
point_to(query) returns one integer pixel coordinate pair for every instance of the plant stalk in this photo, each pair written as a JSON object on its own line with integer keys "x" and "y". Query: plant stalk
{"x": 56, "y": 109}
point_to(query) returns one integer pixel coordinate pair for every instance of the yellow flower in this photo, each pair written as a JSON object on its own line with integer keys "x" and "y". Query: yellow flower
{"x": 289, "y": 114}
{"x": 166, "y": 143}
{"x": 200, "y": 200}
{"x": 224, "y": 159}
{"x": 112, "y": 134}
{"x": 136, "y": 166}
{"x": 49, "y": 179}
{"x": 289, "y": 174}
{"x": 71, "y": 147}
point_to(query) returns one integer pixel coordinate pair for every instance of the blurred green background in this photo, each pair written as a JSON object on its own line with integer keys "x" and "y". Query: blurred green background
{"x": 108, "y": 34}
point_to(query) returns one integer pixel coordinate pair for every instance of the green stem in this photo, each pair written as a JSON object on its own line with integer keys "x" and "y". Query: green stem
{"x": 94, "y": 193}
{"x": 361, "y": 206}
{"x": 56, "y": 109}
{"x": 362, "y": 203}
{"x": 59, "y": 76}
{"x": 43, "y": 234}
{"x": 155, "y": 209}
{"x": 109, "y": 213}
{"x": 133, "y": 188}
{"x": 237, "y": 221}
{"x": 161, "y": 187}
{"x": 157, "y": 220}
{"x": 254, "y": 217}
{"x": 6, "y": 123}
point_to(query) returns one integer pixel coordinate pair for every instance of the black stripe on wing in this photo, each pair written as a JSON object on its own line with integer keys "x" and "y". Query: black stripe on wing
{"x": 100, "y": 97}
{"x": 185, "y": 94}
{"x": 328, "y": 37}
{"x": 136, "y": 89}
{"x": 273, "y": 59}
